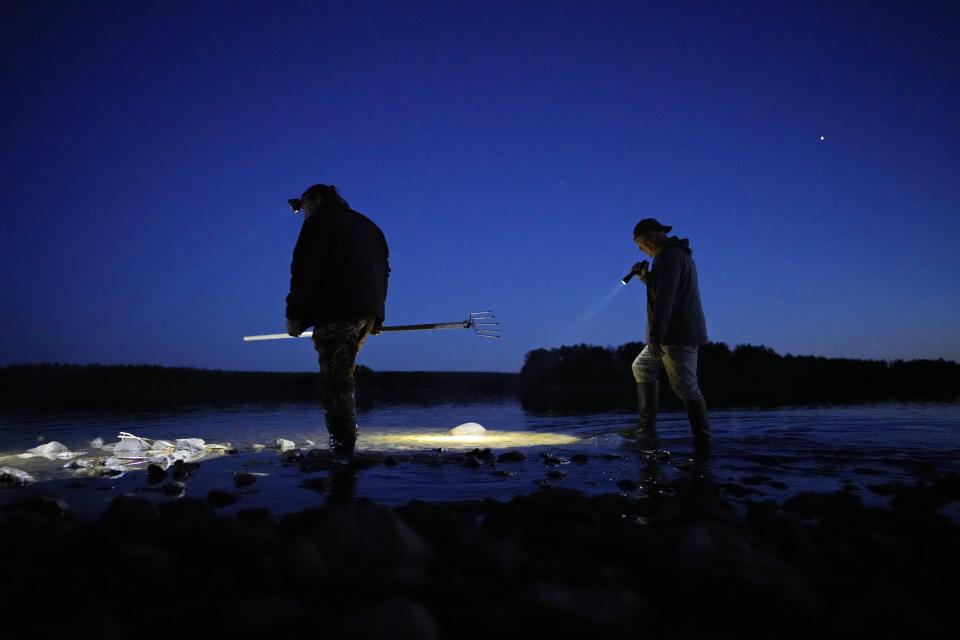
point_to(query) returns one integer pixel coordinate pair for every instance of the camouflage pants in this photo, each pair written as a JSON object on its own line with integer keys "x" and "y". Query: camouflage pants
{"x": 338, "y": 344}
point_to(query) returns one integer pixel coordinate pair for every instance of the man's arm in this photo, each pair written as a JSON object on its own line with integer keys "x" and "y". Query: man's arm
{"x": 668, "y": 267}
{"x": 386, "y": 283}
{"x": 306, "y": 270}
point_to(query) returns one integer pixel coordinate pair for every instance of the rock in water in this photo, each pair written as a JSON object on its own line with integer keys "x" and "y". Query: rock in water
{"x": 13, "y": 478}
{"x": 283, "y": 444}
{"x": 193, "y": 445}
{"x": 130, "y": 445}
{"x": 468, "y": 429}
{"x": 49, "y": 450}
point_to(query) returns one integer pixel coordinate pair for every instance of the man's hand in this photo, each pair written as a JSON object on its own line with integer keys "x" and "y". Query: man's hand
{"x": 656, "y": 350}
{"x": 294, "y": 328}
{"x": 641, "y": 269}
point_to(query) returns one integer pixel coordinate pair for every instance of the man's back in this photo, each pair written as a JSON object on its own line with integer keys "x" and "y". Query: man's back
{"x": 674, "y": 311}
{"x": 340, "y": 268}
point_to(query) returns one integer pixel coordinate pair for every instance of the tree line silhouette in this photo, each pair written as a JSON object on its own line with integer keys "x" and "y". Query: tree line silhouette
{"x": 577, "y": 377}
{"x": 593, "y": 377}
{"x": 64, "y": 386}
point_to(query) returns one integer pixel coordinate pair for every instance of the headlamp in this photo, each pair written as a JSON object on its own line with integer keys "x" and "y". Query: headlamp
{"x": 295, "y": 204}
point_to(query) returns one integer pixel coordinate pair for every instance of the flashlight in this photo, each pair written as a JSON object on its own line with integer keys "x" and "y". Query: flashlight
{"x": 295, "y": 204}
{"x": 639, "y": 269}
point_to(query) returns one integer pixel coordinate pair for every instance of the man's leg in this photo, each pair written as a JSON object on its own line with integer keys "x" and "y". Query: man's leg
{"x": 646, "y": 370}
{"x": 337, "y": 344}
{"x": 681, "y": 365}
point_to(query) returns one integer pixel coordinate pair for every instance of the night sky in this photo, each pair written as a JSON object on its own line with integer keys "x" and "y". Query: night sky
{"x": 810, "y": 151}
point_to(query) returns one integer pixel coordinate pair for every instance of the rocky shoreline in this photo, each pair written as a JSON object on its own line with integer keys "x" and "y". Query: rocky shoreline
{"x": 685, "y": 559}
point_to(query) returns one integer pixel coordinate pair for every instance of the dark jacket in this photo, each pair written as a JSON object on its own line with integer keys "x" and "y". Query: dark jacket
{"x": 340, "y": 268}
{"x": 674, "y": 312}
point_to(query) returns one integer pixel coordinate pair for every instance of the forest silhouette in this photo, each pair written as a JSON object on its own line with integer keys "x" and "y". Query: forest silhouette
{"x": 593, "y": 377}
{"x": 577, "y": 377}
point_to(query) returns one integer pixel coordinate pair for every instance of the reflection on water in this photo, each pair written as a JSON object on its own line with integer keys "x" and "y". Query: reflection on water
{"x": 768, "y": 453}
{"x": 391, "y": 441}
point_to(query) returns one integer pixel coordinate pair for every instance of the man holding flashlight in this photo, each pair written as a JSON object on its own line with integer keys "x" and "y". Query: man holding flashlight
{"x": 338, "y": 286}
{"x": 675, "y": 328}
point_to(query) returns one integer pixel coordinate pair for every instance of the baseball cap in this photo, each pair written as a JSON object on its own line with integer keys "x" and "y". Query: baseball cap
{"x": 649, "y": 224}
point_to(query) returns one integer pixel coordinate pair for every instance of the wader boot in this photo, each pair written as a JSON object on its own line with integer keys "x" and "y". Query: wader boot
{"x": 699, "y": 424}
{"x": 343, "y": 435}
{"x": 648, "y": 402}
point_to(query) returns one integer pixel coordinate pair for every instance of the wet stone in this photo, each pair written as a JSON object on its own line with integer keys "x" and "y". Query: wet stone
{"x": 512, "y": 456}
{"x": 183, "y": 470}
{"x": 44, "y": 506}
{"x": 173, "y": 489}
{"x": 556, "y": 474}
{"x": 628, "y": 485}
{"x": 291, "y": 456}
{"x": 243, "y": 479}
{"x": 754, "y": 480}
{"x": 155, "y": 474}
{"x": 11, "y": 478}
{"x": 389, "y": 461}
{"x": 776, "y": 484}
{"x": 553, "y": 461}
{"x": 579, "y": 458}
{"x": 218, "y": 498}
{"x": 503, "y": 473}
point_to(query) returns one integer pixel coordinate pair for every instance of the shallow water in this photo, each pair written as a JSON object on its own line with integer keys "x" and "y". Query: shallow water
{"x": 766, "y": 453}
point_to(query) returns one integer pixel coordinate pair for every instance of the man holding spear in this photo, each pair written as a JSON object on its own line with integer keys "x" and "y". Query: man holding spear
{"x": 338, "y": 285}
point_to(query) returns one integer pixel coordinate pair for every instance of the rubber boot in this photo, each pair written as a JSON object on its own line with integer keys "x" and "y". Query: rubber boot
{"x": 699, "y": 424}
{"x": 648, "y": 403}
{"x": 343, "y": 436}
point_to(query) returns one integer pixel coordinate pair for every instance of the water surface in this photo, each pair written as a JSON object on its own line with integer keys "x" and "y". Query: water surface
{"x": 765, "y": 453}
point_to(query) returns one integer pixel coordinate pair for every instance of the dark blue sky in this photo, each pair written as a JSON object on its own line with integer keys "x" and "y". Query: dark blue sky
{"x": 506, "y": 150}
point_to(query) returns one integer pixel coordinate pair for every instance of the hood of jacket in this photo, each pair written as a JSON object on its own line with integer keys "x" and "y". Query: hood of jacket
{"x": 680, "y": 243}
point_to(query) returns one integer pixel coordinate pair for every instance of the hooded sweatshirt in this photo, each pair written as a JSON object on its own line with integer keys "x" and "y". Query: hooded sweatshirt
{"x": 674, "y": 312}
{"x": 340, "y": 268}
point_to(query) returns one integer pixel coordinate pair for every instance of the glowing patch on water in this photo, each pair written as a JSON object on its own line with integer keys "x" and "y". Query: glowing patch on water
{"x": 449, "y": 440}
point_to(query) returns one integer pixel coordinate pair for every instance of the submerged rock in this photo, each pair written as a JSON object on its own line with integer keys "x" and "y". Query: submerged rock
{"x": 512, "y": 456}
{"x": 243, "y": 479}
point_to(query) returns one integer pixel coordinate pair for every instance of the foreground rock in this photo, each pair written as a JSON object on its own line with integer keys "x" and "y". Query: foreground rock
{"x": 683, "y": 563}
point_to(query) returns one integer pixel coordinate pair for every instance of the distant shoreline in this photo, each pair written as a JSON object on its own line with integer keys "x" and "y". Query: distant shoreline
{"x": 68, "y": 386}
{"x": 571, "y": 378}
